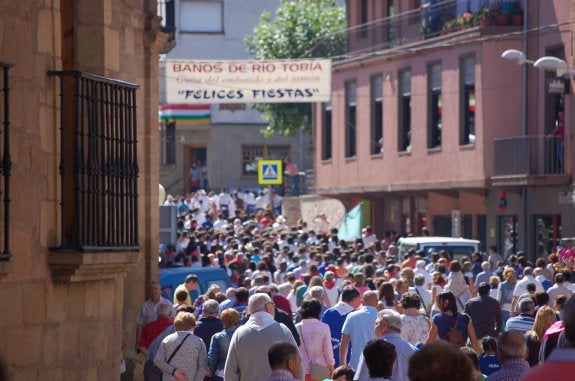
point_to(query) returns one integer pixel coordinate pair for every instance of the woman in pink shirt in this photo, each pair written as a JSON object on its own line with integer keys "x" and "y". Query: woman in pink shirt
{"x": 315, "y": 339}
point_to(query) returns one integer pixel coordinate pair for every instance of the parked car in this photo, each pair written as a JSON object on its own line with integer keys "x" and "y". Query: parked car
{"x": 172, "y": 277}
{"x": 458, "y": 248}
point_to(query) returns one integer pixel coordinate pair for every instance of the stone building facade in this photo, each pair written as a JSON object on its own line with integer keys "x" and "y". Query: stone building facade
{"x": 79, "y": 221}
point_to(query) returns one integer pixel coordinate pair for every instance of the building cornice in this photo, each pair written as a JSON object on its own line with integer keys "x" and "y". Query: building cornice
{"x": 406, "y": 187}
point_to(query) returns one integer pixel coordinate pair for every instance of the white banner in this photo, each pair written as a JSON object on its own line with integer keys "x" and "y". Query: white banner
{"x": 283, "y": 81}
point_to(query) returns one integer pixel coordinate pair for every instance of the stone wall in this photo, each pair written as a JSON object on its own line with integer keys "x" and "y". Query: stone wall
{"x": 308, "y": 207}
{"x": 64, "y": 315}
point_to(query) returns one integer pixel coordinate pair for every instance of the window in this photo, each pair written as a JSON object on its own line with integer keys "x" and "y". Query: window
{"x": 350, "y": 119}
{"x": 363, "y": 19}
{"x": 547, "y": 233}
{"x": 251, "y": 154}
{"x": 434, "y": 106}
{"x": 326, "y": 132}
{"x": 169, "y": 130}
{"x": 167, "y": 11}
{"x": 98, "y": 163}
{"x": 5, "y": 161}
{"x": 201, "y": 16}
{"x": 467, "y": 108}
{"x": 404, "y": 120}
{"x": 376, "y": 114}
{"x": 508, "y": 235}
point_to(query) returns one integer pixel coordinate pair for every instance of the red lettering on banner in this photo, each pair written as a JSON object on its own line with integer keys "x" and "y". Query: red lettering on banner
{"x": 235, "y": 68}
{"x": 301, "y": 66}
{"x": 263, "y": 68}
{"x": 198, "y": 68}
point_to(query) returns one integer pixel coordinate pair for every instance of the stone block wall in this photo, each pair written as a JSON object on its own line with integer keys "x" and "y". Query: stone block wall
{"x": 64, "y": 316}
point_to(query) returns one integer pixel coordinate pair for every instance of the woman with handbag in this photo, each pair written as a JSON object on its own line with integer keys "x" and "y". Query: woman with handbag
{"x": 451, "y": 325}
{"x": 182, "y": 355}
{"x": 315, "y": 347}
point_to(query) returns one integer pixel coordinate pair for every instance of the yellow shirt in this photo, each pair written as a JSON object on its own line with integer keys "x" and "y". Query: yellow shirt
{"x": 182, "y": 287}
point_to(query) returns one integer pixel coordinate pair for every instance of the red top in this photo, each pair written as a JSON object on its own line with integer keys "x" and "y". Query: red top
{"x": 265, "y": 221}
{"x": 282, "y": 303}
{"x": 410, "y": 262}
{"x": 151, "y": 330}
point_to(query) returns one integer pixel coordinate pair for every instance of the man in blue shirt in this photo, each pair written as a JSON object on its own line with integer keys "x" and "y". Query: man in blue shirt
{"x": 358, "y": 329}
{"x": 335, "y": 317}
{"x": 388, "y": 328}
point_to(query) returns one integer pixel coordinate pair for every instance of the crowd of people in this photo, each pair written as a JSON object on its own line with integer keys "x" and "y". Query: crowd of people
{"x": 308, "y": 306}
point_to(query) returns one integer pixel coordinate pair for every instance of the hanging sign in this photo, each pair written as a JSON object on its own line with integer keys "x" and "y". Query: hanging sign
{"x": 278, "y": 81}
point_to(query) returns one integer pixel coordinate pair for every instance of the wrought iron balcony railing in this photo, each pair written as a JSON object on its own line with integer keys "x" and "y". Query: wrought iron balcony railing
{"x": 5, "y": 160}
{"x": 432, "y": 19}
{"x": 529, "y": 155}
{"x": 98, "y": 163}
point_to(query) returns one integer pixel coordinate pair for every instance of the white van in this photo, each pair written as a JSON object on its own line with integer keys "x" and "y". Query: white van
{"x": 458, "y": 248}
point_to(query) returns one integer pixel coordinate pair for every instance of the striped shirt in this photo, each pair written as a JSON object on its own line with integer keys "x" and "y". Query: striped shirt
{"x": 281, "y": 375}
{"x": 521, "y": 323}
{"x": 511, "y": 370}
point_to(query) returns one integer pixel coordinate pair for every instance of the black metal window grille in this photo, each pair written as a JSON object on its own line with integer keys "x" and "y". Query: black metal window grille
{"x": 6, "y": 162}
{"x": 376, "y": 115}
{"x": 404, "y": 120}
{"x": 434, "y": 120}
{"x": 171, "y": 142}
{"x": 467, "y": 102}
{"x": 98, "y": 163}
{"x": 350, "y": 119}
{"x": 326, "y": 131}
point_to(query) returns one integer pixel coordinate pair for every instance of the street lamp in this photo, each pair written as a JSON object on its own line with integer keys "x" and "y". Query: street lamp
{"x": 549, "y": 63}
{"x": 515, "y": 55}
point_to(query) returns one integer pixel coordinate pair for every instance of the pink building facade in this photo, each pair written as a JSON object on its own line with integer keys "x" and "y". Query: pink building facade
{"x": 430, "y": 127}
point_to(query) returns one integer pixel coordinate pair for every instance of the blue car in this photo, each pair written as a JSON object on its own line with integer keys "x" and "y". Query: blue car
{"x": 172, "y": 277}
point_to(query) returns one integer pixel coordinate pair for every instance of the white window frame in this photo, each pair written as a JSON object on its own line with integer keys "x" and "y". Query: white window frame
{"x": 193, "y": 21}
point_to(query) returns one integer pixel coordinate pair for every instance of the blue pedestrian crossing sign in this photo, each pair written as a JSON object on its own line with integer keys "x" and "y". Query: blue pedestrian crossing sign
{"x": 270, "y": 172}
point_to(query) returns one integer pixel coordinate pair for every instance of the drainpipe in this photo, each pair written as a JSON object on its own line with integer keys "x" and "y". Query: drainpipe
{"x": 524, "y": 129}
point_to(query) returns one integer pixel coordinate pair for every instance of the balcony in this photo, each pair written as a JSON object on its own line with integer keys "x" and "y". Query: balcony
{"x": 451, "y": 18}
{"x": 166, "y": 10}
{"x": 529, "y": 161}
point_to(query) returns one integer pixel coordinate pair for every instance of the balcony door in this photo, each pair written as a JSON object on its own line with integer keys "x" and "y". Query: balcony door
{"x": 547, "y": 233}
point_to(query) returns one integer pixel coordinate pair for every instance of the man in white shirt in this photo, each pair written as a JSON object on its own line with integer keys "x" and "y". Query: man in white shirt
{"x": 421, "y": 290}
{"x": 494, "y": 257}
{"x": 260, "y": 202}
{"x": 220, "y": 224}
{"x": 367, "y": 236}
{"x": 250, "y": 200}
{"x": 148, "y": 313}
{"x": 559, "y": 288}
{"x": 420, "y": 270}
{"x": 225, "y": 202}
{"x": 521, "y": 286}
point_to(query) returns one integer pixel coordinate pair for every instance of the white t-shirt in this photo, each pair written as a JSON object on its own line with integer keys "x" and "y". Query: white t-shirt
{"x": 521, "y": 286}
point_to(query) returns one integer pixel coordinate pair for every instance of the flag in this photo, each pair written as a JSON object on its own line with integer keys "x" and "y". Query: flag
{"x": 185, "y": 114}
{"x": 350, "y": 229}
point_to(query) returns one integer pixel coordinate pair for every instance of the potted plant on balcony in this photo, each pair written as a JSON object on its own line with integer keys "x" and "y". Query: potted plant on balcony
{"x": 449, "y": 26}
{"x": 516, "y": 15}
{"x": 500, "y": 16}
{"x": 485, "y": 18}
{"x": 466, "y": 20}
